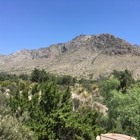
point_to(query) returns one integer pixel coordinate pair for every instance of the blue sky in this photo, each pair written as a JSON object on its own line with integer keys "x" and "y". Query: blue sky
{"x": 33, "y": 24}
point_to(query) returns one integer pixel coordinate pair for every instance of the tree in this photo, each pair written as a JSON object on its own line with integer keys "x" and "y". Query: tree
{"x": 123, "y": 109}
{"x": 24, "y": 76}
{"x": 82, "y": 125}
{"x": 125, "y": 78}
{"x": 66, "y": 80}
{"x": 41, "y": 76}
{"x": 51, "y": 115}
{"x": 107, "y": 86}
{"x": 35, "y": 75}
{"x": 12, "y": 127}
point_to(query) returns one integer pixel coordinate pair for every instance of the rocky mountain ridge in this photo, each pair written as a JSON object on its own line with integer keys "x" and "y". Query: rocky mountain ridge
{"x": 83, "y": 54}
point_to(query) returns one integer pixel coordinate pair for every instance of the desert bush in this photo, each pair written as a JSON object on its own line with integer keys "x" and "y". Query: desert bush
{"x": 13, "y": 129}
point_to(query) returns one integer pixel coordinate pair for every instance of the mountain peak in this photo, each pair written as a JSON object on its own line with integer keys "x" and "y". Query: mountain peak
{"x": 113, "y": 45}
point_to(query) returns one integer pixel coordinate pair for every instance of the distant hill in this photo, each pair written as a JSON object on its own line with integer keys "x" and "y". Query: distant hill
{"x": 92, "y": 56}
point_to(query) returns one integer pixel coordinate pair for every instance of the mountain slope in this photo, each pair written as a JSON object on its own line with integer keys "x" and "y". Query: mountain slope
{"x": 84, "y": 56}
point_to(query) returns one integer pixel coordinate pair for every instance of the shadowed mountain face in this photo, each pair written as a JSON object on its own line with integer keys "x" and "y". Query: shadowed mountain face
{"x": 90, "y": 56}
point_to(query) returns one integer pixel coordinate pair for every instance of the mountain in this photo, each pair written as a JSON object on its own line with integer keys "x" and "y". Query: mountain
{"x": 85, "y": 56}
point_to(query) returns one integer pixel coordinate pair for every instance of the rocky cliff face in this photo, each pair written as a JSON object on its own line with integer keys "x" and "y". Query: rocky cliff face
{"x": 108, "y": 44}
{"x": 90, "y": 55}
{"x": 27, "y": 55}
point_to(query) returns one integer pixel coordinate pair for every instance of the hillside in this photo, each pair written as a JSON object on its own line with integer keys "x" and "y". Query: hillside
{"x": 90, "y": 56}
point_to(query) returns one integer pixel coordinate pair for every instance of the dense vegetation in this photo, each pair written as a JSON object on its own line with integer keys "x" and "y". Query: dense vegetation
{"x": 122, "y": 97}
{"x": 39, "y": 107}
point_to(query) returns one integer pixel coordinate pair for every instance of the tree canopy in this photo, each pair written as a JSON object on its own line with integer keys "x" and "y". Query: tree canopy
{"x": 39, "y": 106}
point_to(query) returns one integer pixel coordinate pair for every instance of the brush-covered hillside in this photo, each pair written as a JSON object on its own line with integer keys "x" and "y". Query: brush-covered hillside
{"x": 43, "y": 106}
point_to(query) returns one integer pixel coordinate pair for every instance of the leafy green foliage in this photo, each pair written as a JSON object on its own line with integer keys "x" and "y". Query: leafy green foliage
{"x": 125, "y": 78}
{"x": 123, "y": 109}
{"x": 24, "y": 76}
{"x": 66, "y": 80}
{"x": 42, "y": 108}
{"x": 12, "y": 128}
{"x": 41, "y": 76}
{"x": 51, "y": 115}
{"x": 6, "y": 76}
{"x": 85, "y": 126}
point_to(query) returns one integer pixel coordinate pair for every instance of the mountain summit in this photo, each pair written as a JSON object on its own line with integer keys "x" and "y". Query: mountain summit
{"x": 84, "y": 56}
